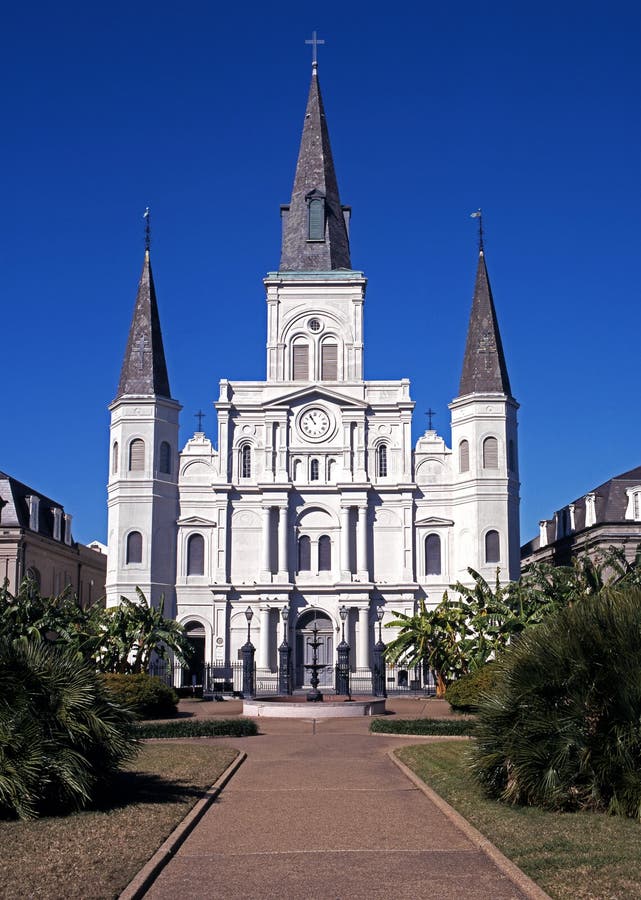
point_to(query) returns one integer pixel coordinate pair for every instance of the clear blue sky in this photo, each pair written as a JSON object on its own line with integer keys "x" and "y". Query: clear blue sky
{"x": 530, "y": 111}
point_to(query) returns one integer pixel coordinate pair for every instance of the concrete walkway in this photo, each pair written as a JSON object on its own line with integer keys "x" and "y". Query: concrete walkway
{"x": 318, "y": 810}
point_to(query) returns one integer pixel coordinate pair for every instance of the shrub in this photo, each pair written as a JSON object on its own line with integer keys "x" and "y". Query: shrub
{"x": 197, "y": 728}
{"x": 61, "y": 735}
{"x": 145, "y": 695}
{"x": 422, "y": 726}
{"x": 464, "y": 694}
{"x": 562, "y": 728}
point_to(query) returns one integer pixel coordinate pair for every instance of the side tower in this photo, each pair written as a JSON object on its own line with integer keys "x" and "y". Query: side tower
{"x": 143, "y": 463}
{"x": 485, "y": 448}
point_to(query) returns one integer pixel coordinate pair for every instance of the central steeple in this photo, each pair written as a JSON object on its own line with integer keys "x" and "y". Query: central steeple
{"x": 315, "y": 237}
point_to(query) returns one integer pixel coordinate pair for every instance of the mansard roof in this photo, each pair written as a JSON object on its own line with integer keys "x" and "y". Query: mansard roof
{"x": 484, "y": 368}
{"x": 14, "y": 507}
{"x": 144, "y": 370}
{"x": 315, "y": 178}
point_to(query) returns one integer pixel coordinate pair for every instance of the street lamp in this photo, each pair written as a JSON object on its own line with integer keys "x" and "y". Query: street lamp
{"x": 247, "y": 653}
{"x": 380, "y": 612}
{"x": 343, "y": 614}
{"x": 378, "y": 681}
{"x": 285, "y": 615}
{"x": 284, "y": 657}
{"x": 342, "y": 669}
{"x": 249, "y": 615}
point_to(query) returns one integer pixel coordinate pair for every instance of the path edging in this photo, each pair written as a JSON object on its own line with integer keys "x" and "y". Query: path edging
{"x": 141, "y": 882}
{"x": 524, "y": 883}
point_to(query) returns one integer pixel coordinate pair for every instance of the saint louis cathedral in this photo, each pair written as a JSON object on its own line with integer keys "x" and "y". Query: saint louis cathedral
{"x": 313, "y": 497}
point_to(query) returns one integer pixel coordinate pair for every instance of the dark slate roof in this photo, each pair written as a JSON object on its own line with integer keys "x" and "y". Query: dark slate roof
{"x": 484, "y": 368}
{"x": 144, "y": 370}
{"x": 314, "y": 172}
{"x": 611, "y": 499}
{"x": 14, "y": 507}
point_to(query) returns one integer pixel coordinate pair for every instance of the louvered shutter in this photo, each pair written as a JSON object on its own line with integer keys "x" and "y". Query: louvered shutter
{"x": 165, "y": 458}
{"x": 317, "y": 220}
{"x": 301, "y": 362}
{"x": 137, "y": 456}
{"x": 492, "y": 547}
{"x": 490, "y": 453}
{"x": 324, "y": 554}
{"x": 433, "y": 555}
{"x": 196, "y": 555}
{"x": 329, "y": 362}
{"x": 464, "y": 456}
{"x": 304, "y": 554}
{"x": 134, "y": 547}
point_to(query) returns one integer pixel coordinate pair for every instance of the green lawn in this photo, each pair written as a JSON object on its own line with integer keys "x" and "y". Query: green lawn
{"x": 570, "y": 855}
{"x": 94, "y": 854}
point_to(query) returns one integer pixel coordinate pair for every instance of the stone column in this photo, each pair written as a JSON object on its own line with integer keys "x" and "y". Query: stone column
{"x": 263, "y": 646}
{"x": 361, "y": 544}
{"x": 283, "y": 564}
{"x": 266, "y": 550}
{"x": 345, "y": 569}
{"x": 362, "y": 648}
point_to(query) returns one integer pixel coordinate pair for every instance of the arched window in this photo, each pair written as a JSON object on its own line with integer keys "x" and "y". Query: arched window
{"x": 34, "y": 575}
{"x": 196, "y": 555}
{"x": 304, "y": 554}
{"x": 432, "y": 554}
{"x": 381, "y": 461}
{"x": 114, "y": 459}
{"x": 246, "y": 461}
{"x": 331, "y": 471}
{"x": 314, "y": 470}
{"x": 134, "y": 547}
{"x": 511, "y": 456}
{"x": 492, "y": 547}
{"x": 464, "y": 456}
{"x": 164, "y": 462}
{"x": 137, "y": 455}
{"x": 316, "y": 212}
{"x": 490, "y": 453}
{"x": 300, "y": 361}
{"x": 298, "y": 465}
{"x": 324, "y": 554}
{"x": 329, "y": 361}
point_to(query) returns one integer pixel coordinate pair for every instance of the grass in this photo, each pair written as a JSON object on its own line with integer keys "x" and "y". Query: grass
{"x": 422, "y": 726}
{"x": 94, "y": 854}
{"x": 582, "y": 856}
{"x": 184, "y": 728}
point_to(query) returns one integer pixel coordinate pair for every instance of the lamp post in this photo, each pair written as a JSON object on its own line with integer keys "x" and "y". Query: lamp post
{"x": 378, "y": 681}
{"x": 342, "y": 669}
{"x": 247, "y": 652}
{"x": 284, "y": 656}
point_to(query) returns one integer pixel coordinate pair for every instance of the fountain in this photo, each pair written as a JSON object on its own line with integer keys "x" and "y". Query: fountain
{"x": 314, "y": 696}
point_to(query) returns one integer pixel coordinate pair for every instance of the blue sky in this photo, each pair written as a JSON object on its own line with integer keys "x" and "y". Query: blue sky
{"x": 530, "y": 111}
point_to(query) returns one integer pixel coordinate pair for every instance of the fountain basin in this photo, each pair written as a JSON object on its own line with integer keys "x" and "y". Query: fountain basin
{"x": 286, "y": 708}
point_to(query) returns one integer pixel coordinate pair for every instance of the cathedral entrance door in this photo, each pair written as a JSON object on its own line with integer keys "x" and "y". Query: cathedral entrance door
{"x": 305, "y": 652}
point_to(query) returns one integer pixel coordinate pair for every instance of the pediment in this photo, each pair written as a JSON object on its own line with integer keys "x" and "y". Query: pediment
{"x": 317, "y": 392}
{"x": 434, "y": 520}
{"x": 196, "y": 520}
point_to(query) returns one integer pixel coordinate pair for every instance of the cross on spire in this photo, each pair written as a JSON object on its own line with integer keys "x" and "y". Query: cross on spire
{"x": 147, "y": 217}
{"x": 314, "y": 42}
{"x": 479, "y": 215}
{"x": 430, "y": 415}
{"x": 200, "y": 415}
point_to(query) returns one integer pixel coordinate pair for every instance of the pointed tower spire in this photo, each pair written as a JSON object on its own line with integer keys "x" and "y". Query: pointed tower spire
{"x": 484, "y": 369}
{"x": 315, "y": 237}
{"x": 144, "y": 370}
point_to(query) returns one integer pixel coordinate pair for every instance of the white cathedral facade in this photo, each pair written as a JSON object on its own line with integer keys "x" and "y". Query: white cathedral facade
{"x": 313, "y": 497}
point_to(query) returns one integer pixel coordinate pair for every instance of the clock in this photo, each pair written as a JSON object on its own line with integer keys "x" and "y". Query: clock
{"x": 314, "y": 423}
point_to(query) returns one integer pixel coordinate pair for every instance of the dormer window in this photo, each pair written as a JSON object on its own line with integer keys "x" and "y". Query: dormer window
{"x": 315, "y": 216}
{"x": 633, "y": 510}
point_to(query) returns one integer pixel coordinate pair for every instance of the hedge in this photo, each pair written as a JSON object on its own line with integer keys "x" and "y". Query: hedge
{"x": 422, "y": 726}
{"x": 145, "y": 695}
{"x": 185, "y": 728}
{"x": 465, "y": 694}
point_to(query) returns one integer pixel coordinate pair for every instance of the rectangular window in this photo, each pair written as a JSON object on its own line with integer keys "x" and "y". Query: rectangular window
{"x": 329, "y": 362}
{"x": 301, "y": 362}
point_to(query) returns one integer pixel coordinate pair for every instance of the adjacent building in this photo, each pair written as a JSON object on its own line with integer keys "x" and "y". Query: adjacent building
{"x": 312, "y": 496}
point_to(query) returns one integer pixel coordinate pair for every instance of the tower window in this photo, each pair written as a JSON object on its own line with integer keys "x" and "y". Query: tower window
{"x": 324, "y": 554}
{"x": 511, "y": 456}
{"x": 464, "y": 456}
{"x": 246, "y": 461}
{"x": 165, "y": 458}
{"x": 196, "y": 555}
{"x": 492, "y": 547}
{"x": 134, "y": 547}
{"x": 314, "y": 470}
{"x": 490, "y": 453}
{"x": 381, "y": 461}
{"x": 432, "y": 554}
{"x": 114, "y": 459}
{"x": 300, "y": 362}
{"x": 314, "y": 325}
{"x": 137, "y": 456}
{"x": 304, "y": 554}
{"x": 316, "y": 213}
{"x": 329, "y": 361}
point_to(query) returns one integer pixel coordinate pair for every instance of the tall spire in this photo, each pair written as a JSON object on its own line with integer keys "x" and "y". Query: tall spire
{"x": 484, "y": 369}
{"x": 314, "y": 224}
{"x": 144, "y": 370}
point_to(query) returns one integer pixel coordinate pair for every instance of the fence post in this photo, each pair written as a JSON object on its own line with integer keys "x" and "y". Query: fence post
{"x": 284, "y": 668}
{"x": 378, "y": 681}
{"x": 342, "y": 669}
{"x": 247, "y": 651}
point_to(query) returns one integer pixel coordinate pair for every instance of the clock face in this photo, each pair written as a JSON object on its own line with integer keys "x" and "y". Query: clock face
{"x": 314, "y": 423}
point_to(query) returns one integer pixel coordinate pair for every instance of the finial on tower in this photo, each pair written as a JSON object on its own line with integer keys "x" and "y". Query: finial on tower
{"x": 479, "y": 215}
{"x": 147, "y": 217}
{"x": 314, "y": 42}
{"x": 200, "y": 415}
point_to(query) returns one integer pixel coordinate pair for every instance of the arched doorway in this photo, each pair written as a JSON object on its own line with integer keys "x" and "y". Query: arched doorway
{"x": 304, "y": 650}
{"x": 195, "y": 632}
